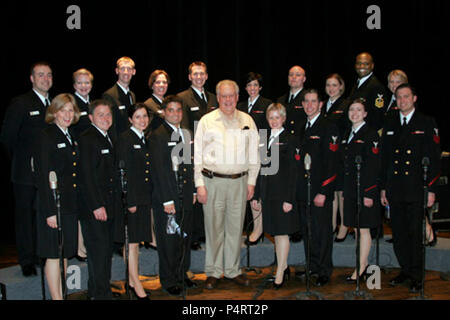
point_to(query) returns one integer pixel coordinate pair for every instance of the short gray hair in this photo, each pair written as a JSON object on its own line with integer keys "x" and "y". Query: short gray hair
{"x": 227, "y": 82}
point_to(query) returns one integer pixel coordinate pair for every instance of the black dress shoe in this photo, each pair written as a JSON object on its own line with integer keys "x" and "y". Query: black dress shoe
{"x": 302, "y": 274}
{"x": 174, "y": 290}
{"x": 254, "y": 243}
{"x": 29, "y": 270}
{"x": 286, "y": 276}
{"x": 195, "y": 245}
{"x": 147, "y": 297}
{"x": 415, "y": 286}
{"x": 322, "y": 281}
{"x": 189, "y": 283}
{"x": 340, "y": 239}
{"x": 400, "y": 279}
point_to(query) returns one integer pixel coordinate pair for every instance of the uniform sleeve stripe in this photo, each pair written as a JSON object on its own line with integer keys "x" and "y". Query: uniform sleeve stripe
{"x": 328, "y": 181}
{"x": 370, "y": 188}
{"x": 434, "y": 180}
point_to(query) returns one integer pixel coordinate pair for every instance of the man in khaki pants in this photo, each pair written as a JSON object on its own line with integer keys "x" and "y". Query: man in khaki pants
{"x": 226, "y": 167}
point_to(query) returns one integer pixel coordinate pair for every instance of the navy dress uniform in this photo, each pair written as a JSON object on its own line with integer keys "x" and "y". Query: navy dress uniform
{"x": 58, "y": 153}
{"x": 404, "y": 145}
{"x": 295, "y": 114}
{"x": 84, "y": 122}
{"x": 257, "y": 111}
{"x": 162, "y": 141}
{"x": 133, "y": 150}
{"x": 120, "y": 102}
{"x": 156, "y": 114}
{"x": 23, "y": 122}
{"x": 275, "y": 188}
{"x": 99, "y": 185}
{"x": 374, "y": 93}
{"x": 365, "y": 143}
{"x": 320, "y": 141}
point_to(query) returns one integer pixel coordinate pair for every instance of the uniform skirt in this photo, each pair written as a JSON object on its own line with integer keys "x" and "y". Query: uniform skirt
{"x": 276, "y": 221}
{"x": 47, "y": 238}
{"x": 368, "y": 218}
{"x": 139, "y": 225}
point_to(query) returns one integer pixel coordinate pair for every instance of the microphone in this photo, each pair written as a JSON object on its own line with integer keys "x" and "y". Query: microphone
{"x": 123, "y": 181}
{"x": 358, "y": 159}
{"x": 175, "y": 164}
{"x": 53, "y": 180}
{"x": 307, "y": 162}
{"x": 425, "y": 162}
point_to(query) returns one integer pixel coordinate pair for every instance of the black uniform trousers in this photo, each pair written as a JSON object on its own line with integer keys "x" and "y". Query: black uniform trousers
{"x": 170, "y": 247}
{"x": 406, "y": 221}
{"x": 99, "y": 239}
{"x": 321, "y": 237}
{"x": 25, "y": 223}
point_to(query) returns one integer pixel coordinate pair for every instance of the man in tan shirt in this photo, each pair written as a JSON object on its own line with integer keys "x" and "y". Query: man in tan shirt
{"x": 226, "y": 167}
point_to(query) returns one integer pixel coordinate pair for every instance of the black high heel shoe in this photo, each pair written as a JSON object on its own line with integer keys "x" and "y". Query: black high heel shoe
{"x": 254, "y": 243}
{"x": 336, "y": 239}
{"x": 147, "y": 297}
{"x": 286, "y": 276}
{"x": 433, "y": 242}
{"x": 362, "y": 277}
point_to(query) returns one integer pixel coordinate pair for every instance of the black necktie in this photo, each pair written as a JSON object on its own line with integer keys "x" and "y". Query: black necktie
{"x": 143, "y": 140}
{"x": 291, "y": 98}
{"x": 69, "y": 137}
{"x": 109, "y": 140}
{"x": 250, "y": 106}
{"x": 308, "y": 126}
{"x": 130, "y": 98}
{"x": 47, "y": 102}
{"x": 404, "y": 122}
{"x": 204, "y": 98}
{"x": 352, "y": 134}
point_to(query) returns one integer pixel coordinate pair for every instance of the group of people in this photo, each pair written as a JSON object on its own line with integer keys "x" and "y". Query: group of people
{"x": 193, "y": 161}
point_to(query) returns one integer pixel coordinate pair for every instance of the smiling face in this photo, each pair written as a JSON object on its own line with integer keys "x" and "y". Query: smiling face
{"x": 65, "y": 115}
{"x": 405, "y": 100}
{"x": 173, "y": 113}
{"x": 42, "y": 79}
{"x": 253, "y": 88}
{"x": 311, "y": 105}
{"x": 83, "y": 85}
{"x": 333, "y": 88}
{"x": 102, "y": 117}
{"x": 160, "y": 86}
{"x": 364, "y": 65}
{"x": 198, "y": 77}
{"x": 140, "y": 119}
{"x": 296, "y": 78}
{"x": 125, "y": 71}
{"x": 275, "y": 119}
{"x": 227, "y": 98}
{"x": 356, "y": 114}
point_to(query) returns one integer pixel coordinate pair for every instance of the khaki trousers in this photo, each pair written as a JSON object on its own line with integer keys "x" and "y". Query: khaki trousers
{"x": 224, "y": 219}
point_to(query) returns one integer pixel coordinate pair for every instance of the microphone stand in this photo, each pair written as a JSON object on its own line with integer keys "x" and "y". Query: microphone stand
{"x": 57, "y": 198}
{"x": 358, "y": 293}
{"x": 247, "y": 243}
{"x": 425, "y": 164}
{"x": 179, "y": 179}
{"x": 124, "y": 187}
{"x": 308, "y": 294}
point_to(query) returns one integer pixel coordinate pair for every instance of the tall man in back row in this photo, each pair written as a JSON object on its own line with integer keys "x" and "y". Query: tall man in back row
{"x": 227, "y": 163}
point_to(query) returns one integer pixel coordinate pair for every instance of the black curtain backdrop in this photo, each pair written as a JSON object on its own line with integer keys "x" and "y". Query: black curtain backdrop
{"x": 233, "y": 37}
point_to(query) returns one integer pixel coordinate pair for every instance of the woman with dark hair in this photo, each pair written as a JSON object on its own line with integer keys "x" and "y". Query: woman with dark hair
{"x": 361, "y": 140}
{"x": 58, "y": 152}
{"x": 133, "y": 153}
{"x": 159, "y": 82}
{"x": 256, "y": 107}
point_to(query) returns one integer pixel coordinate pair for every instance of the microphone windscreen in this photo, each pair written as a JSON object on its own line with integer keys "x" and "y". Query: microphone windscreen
{"x": 425, "y": 161}
{"x": 358, "y": 159}
{"x": 53, "y": 180}
{"x": 121, "y": 164}
{"x": 307, "y": 162}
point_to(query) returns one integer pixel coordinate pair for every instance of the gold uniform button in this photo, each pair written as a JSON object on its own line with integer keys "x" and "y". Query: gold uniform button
{"x": 396, "y": 161}
{"x": 408, "y": 151}
{"x": 147, "y": 163}
{"x": 407, "y": 163}
{"x": 406, "y": 173}
{"x": 147, "y": 155}
{"x": 74, "y": 174}
{"x": 292, "y": 131}
{"x": 395, "y": 172}
{"x": 185, "y": 181}
{"x": 184, "y": 169}
{"x": 74, "y": 185}
{"x": 292, "y": 122}
{"x": 146, "y": 179}
{"x": 306, "y": 176}
{"x": 74, "y": 164}
{"x": 146, "y": 171}
{"x": 74, "y": 153}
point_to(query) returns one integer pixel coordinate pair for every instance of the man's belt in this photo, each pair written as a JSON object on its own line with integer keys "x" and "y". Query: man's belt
{"x": 209, "y": 174}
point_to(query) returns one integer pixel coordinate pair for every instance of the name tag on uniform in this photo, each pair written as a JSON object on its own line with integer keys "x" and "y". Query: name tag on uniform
{"x": 298, "y": 107}
{"x": 34, "y": 113}
{"x": 195, "y": 108}
{"x": 258, "y": 111}
{"x": 338, "y": 111}
{"x": 171, "y": 144}
{"x": 105, "y": 151}
{"x": 359, "y": 141}
{"x": 160, "y": 111}
{"x": 344, "y": 141}
{"x": 417, "y": 132}
{"x": 123, "y": 107}
{"x": 137, "y": 146}
{"x": 390, "y": 133}
{"x": 83, "y": 113}
{"x": 314, "y": 137}
{"x": 61, "y": 145}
